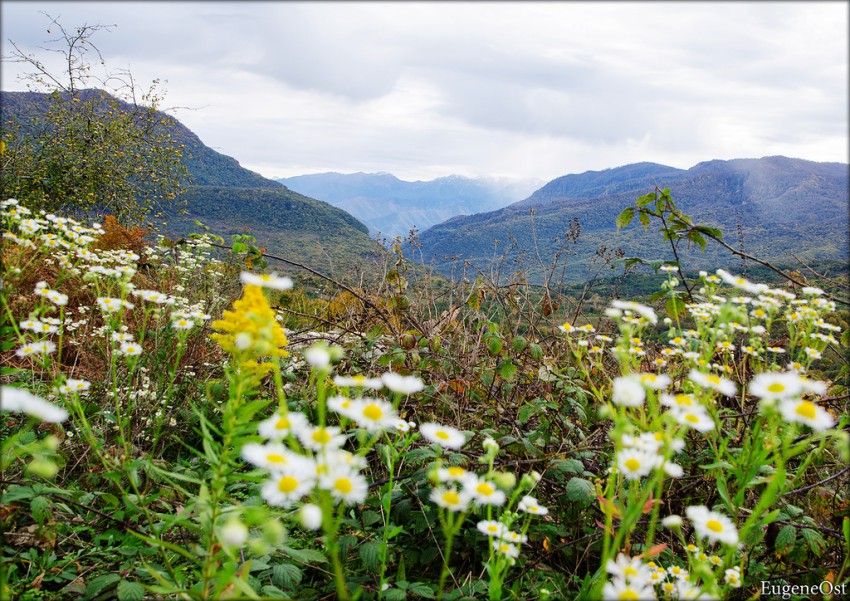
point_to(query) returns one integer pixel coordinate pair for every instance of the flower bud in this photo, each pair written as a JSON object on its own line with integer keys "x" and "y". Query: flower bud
{"x": 310, "y": 516}
{"x": 504, "y": 480}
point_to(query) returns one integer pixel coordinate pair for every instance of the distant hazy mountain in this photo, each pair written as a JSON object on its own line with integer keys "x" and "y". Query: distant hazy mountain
{"x": 233, "y": 200}
{"x": 771, "y": 207}
{"x": 392, "y": 207}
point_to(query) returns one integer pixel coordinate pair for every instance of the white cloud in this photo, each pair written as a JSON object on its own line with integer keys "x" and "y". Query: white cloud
{"x": 537, "y": 89}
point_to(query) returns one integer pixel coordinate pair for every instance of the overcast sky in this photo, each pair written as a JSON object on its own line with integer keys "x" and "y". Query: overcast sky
{"x": 516, "y": 89}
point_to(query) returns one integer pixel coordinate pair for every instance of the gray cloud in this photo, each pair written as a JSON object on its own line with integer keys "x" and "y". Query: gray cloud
{"x": 505, "y": 88}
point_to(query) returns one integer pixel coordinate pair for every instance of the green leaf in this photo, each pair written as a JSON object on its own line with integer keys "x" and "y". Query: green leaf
{"x": 568, "y": 466}
{"x": 285, "y": 575}
{"x": 580, "y": 491}
{"x": 305, "y": 555}
{"x": 40, "y": 507}
{"x": 508, "y": 370}
{"x": 100, "y": 584}
{"x": 370, "y": 554}
{"x": 645, "y": 199}
{"x": 421, "y": 589}
{"x": 814, "y": 540}
{"x": 526, "y": 412}
{"x": 674, "y": 307}
{"x": 710, "y": 231}
{"x": 395, "y": 594}
{"x": 695, "y": 236}
{"x": 519, "y": 343}
{"x": 17, "y": 493}
{"x": 370, "y": 517}
{"x": 624, "y": 218}
{"x": 130, "y": 591}
{"x": 723, "y": 491}
{"x": 644, "y": 219}
{"x": 786, "y": 538}
{"x": 495, "y": 345}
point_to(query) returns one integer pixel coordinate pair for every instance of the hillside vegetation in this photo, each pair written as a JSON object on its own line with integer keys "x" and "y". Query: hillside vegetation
{"x": 773, "y": 207}
{"x": 216, "y": 190}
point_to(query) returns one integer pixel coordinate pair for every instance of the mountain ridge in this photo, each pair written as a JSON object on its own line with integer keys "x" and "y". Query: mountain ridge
{"x": 393, "y": 207}
{"x": 774, "y": 205}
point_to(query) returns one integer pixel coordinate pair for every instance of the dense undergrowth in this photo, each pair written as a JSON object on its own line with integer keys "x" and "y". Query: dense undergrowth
{"x": 178, "y": 426}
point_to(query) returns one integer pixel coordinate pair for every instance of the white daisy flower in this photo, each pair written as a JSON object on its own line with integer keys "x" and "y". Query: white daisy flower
{"x": 374, "y": 415}
{"x": 402, "y": 384}
{"x": 280, "y": 425}
{"x": 491, "y": 528}
{"x": 288, "y": 486}
{"x": 642, "y": 310}
{"x": 266, "y": 280}
{"x": 695, "y": 417}
{"x": 318, "y": 438}
{"x": 451, "y": 474}
{"x": 358, "y": 382}
{"x": 482, "y": 491}
{"x": 130, "y": 349}
{"x": 628, "y": 391}
{"x": 272, "y": 456}
{"x": 635, "y": 463}
{"x": 182, "y": 324}
{"x": 654, "y": 381}
{"x": 19, "y": 400}
{"x": 805, "y": 412}
{"x": 712, "y": 525}
{"x": 742, "y": 283}
{"x": 451, "y": 499}
{"x": 718, "y": 383}
{"x": 628, "y": 569}
{"x": 506, "y": 549}
{"x": 445, "y": 436}
{"x": 529, "y": 504}
{"x": 776, "y": 385}
{"x": 620, "y": 589}
{"x": 342, "y": 405}
{"x": 344, "y": 484}
{"x": 74, "y": 386}
{"x": 318, "y": 357}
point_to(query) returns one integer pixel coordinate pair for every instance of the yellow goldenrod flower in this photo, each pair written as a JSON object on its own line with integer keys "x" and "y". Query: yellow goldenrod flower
{"x": 250, "y": 331}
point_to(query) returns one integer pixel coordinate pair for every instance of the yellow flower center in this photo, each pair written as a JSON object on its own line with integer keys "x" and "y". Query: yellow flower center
{"x": 492, "y": 528}
{"x": 321, "y": 436}
{"x": 485, "y": 489}
{"x": 451, "y": 498}
{"x": 691, "y": 418}
{"x": 373, "y": 412}
{"x": 630, "y": 571}
{"x": 776, "y": 387}
{"x": 282, "y": 424}
{"x": 456, "y": 472}
{"x": 287, "y": 484}
{"x": 713, "y": 379}
{"x": 806, "y": 409}
{"x": 633, "y": 464}
{"x": 442, "y": 435}
{"x": 629, "y": 595}
{"x": 714, "y": 526}
{"x": 275, "y": 458}
{"x": 343, "y": 485}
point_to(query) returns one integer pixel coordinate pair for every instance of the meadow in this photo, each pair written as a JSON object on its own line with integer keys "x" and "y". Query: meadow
{"x": 186, "y": 421}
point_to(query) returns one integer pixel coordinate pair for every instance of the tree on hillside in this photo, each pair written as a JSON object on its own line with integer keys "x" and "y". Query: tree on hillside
{"x": 87, "y": 139}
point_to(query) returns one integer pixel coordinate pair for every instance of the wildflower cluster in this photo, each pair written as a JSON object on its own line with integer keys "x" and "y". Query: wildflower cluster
{"x": 706, "y": 364}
